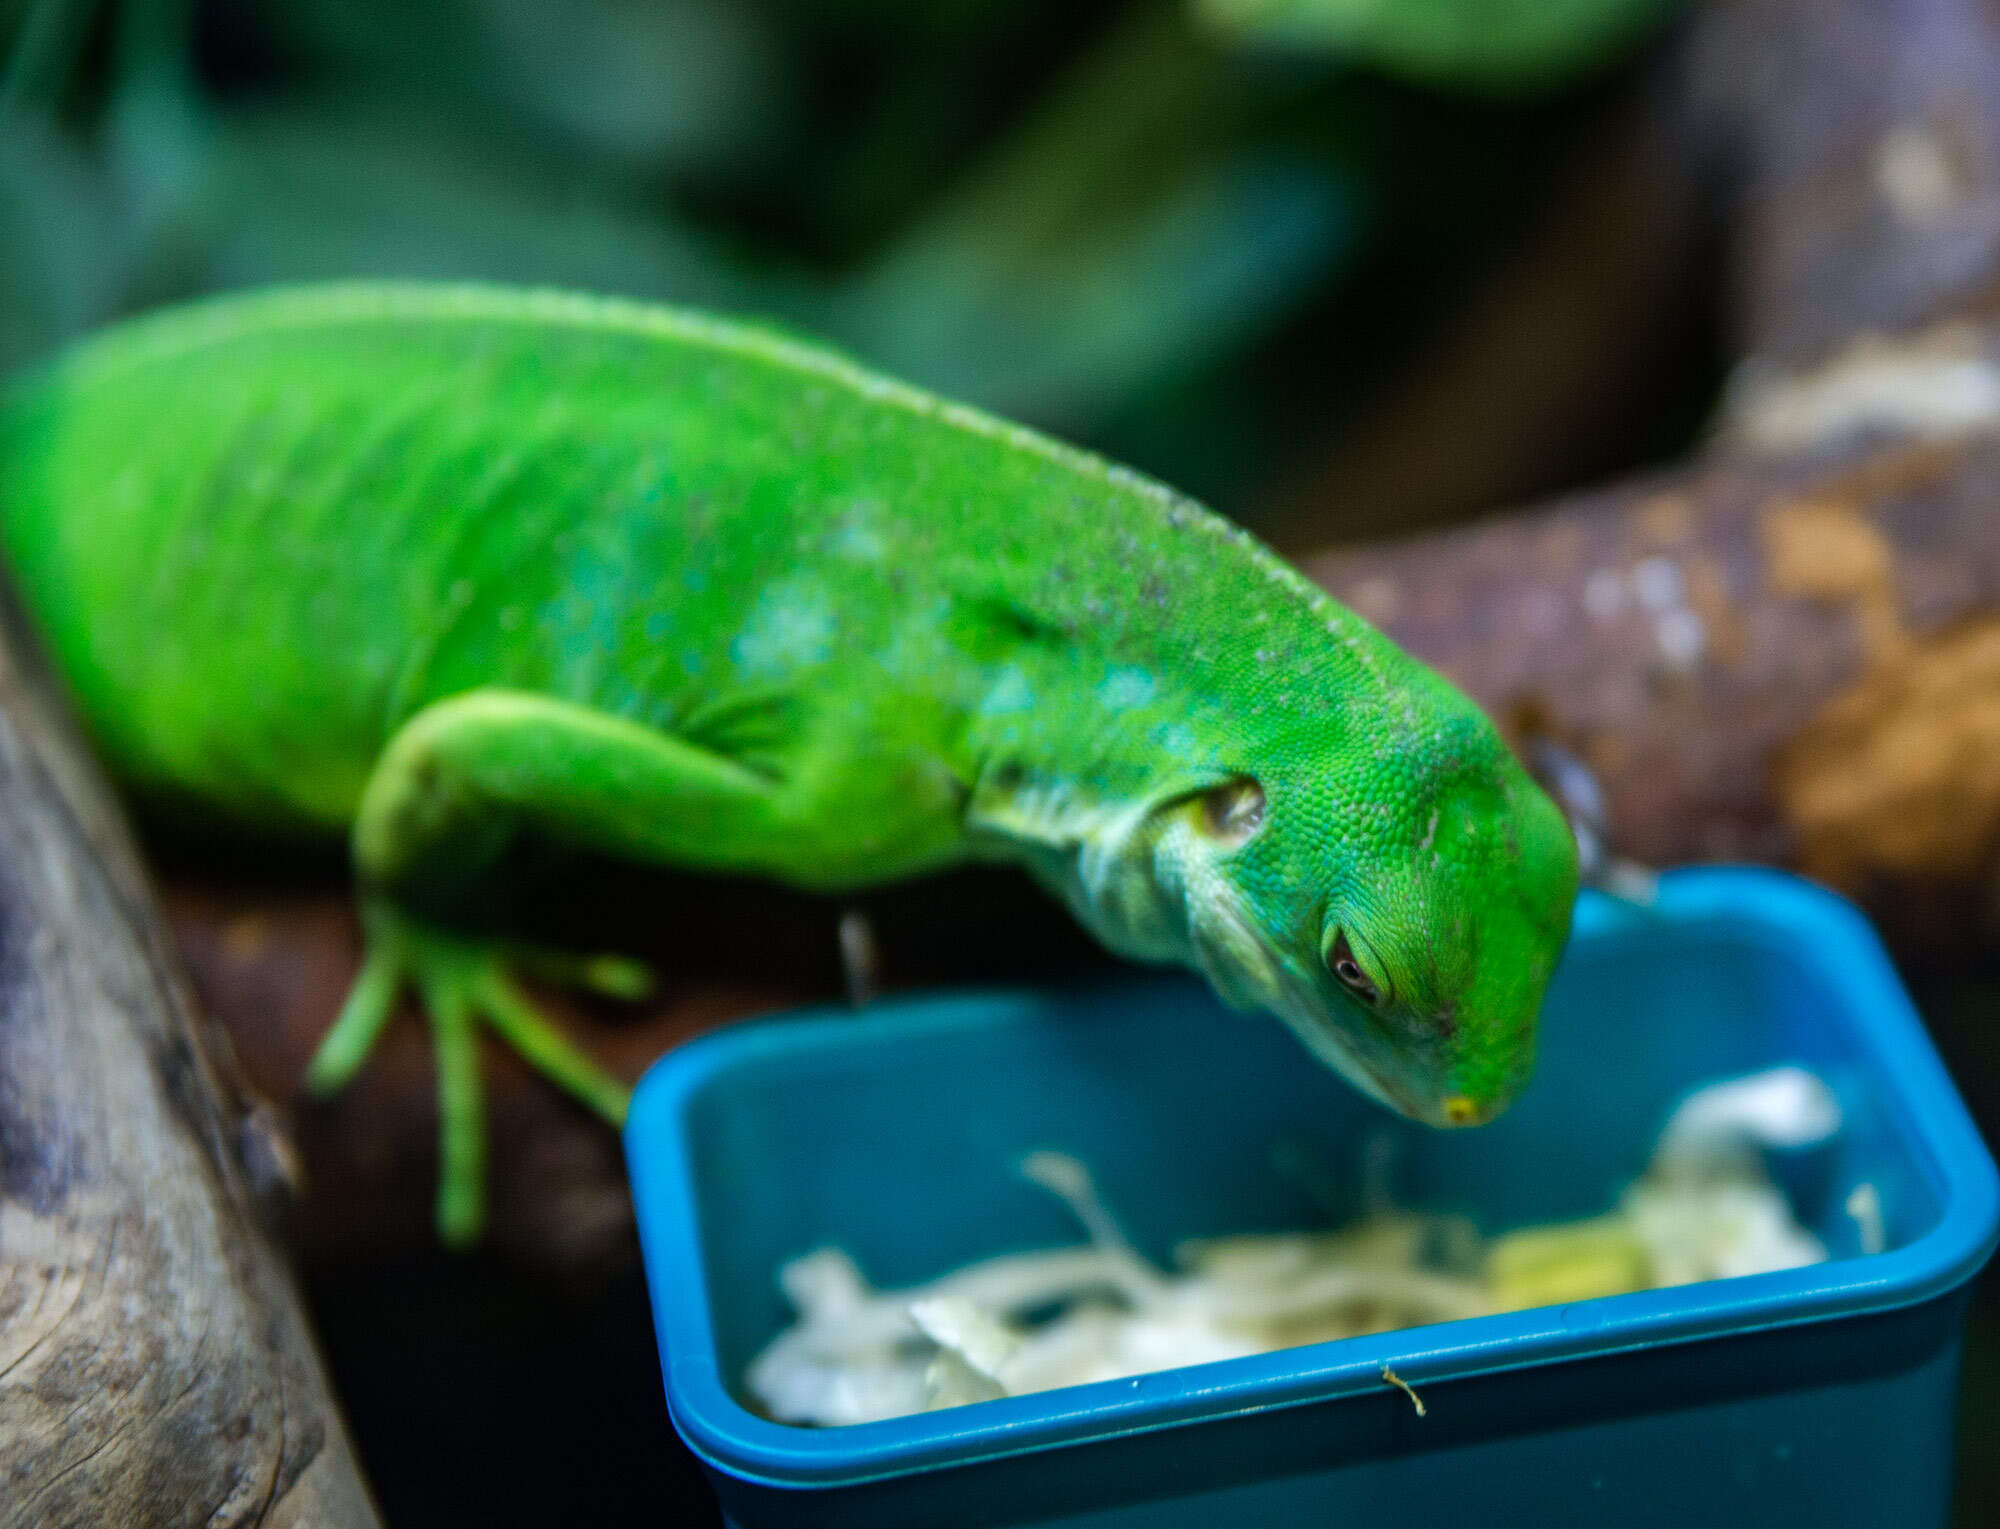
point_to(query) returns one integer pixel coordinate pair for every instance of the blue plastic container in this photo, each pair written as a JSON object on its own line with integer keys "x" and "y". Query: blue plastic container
{"x": 1820, "y": 1396}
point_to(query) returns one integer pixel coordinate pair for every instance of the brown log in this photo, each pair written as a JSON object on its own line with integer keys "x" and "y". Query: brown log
{"x": 1854, "y": 149}
{"x": 1784, "y": 662}
{"x": 155, "y": 1365}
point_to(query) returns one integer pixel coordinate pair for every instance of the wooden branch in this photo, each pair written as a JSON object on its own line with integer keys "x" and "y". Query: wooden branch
{"x": 155, "y": 1365}
{"x": 1853, "y": 147}
{"x": 1790, "y": 662}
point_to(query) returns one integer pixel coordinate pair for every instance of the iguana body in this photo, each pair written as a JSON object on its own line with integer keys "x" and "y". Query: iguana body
{"x": 435, "y": 566}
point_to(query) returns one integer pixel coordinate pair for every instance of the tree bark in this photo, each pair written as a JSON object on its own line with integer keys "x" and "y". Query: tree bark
{"x": 155, "y": 1365}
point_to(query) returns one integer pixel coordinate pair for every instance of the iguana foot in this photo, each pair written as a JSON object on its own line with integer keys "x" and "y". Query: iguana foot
{"x": 464, "y": 982}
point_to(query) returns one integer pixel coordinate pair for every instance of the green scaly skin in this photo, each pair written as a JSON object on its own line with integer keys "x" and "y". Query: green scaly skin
{"x": 433, "y": 567}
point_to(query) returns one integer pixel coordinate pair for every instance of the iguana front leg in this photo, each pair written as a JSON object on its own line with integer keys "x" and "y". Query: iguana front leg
{"x": 456, "y": 782}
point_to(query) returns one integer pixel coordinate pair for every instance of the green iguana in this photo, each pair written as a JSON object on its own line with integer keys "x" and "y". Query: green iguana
{"x": 438, "y": 566}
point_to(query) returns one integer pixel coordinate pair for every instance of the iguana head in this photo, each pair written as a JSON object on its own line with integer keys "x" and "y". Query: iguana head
{"x": 1401, "y": 907}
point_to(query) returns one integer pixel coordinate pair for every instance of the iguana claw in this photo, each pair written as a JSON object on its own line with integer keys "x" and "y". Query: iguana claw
{"x": 465, "y": 982}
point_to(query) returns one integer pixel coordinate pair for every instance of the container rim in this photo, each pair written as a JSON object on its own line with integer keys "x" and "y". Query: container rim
{"x": 1767, "y": 907}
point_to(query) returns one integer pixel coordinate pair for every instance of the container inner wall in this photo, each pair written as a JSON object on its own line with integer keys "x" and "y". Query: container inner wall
{"x": 899, "y": 1141}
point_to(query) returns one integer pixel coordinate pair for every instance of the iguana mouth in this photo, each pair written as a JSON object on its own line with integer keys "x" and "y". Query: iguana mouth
{"x": 1336, "y": 1049}
{"x": 1247, "y": 974}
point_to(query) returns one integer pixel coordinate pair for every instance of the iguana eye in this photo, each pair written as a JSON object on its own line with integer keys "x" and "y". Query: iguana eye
{"x": 1232, "y": 813}
{"x": 1340, "y": 961}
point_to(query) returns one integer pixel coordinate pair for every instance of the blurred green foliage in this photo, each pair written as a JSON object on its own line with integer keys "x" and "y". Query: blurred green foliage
{"x": 1500, "y": 45}
{"x": 1191, "y": 232}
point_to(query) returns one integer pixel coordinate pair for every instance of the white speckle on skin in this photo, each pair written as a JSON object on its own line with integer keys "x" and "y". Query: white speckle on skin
{"x": 1604, "y": 594}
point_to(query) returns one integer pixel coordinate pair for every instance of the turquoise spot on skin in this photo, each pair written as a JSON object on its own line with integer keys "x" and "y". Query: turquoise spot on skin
{"x": 1011, "y": 692}
{"x": 1124, "y": 688}
{"x": 587, "y": 618}
{"x": 790, "y": 628}
{"x": 658, "y": 626}
{"x": 857, "y": 537}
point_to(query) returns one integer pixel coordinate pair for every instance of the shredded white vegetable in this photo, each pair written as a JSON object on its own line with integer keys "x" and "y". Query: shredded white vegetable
{"x": 1704, "y": 1209}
